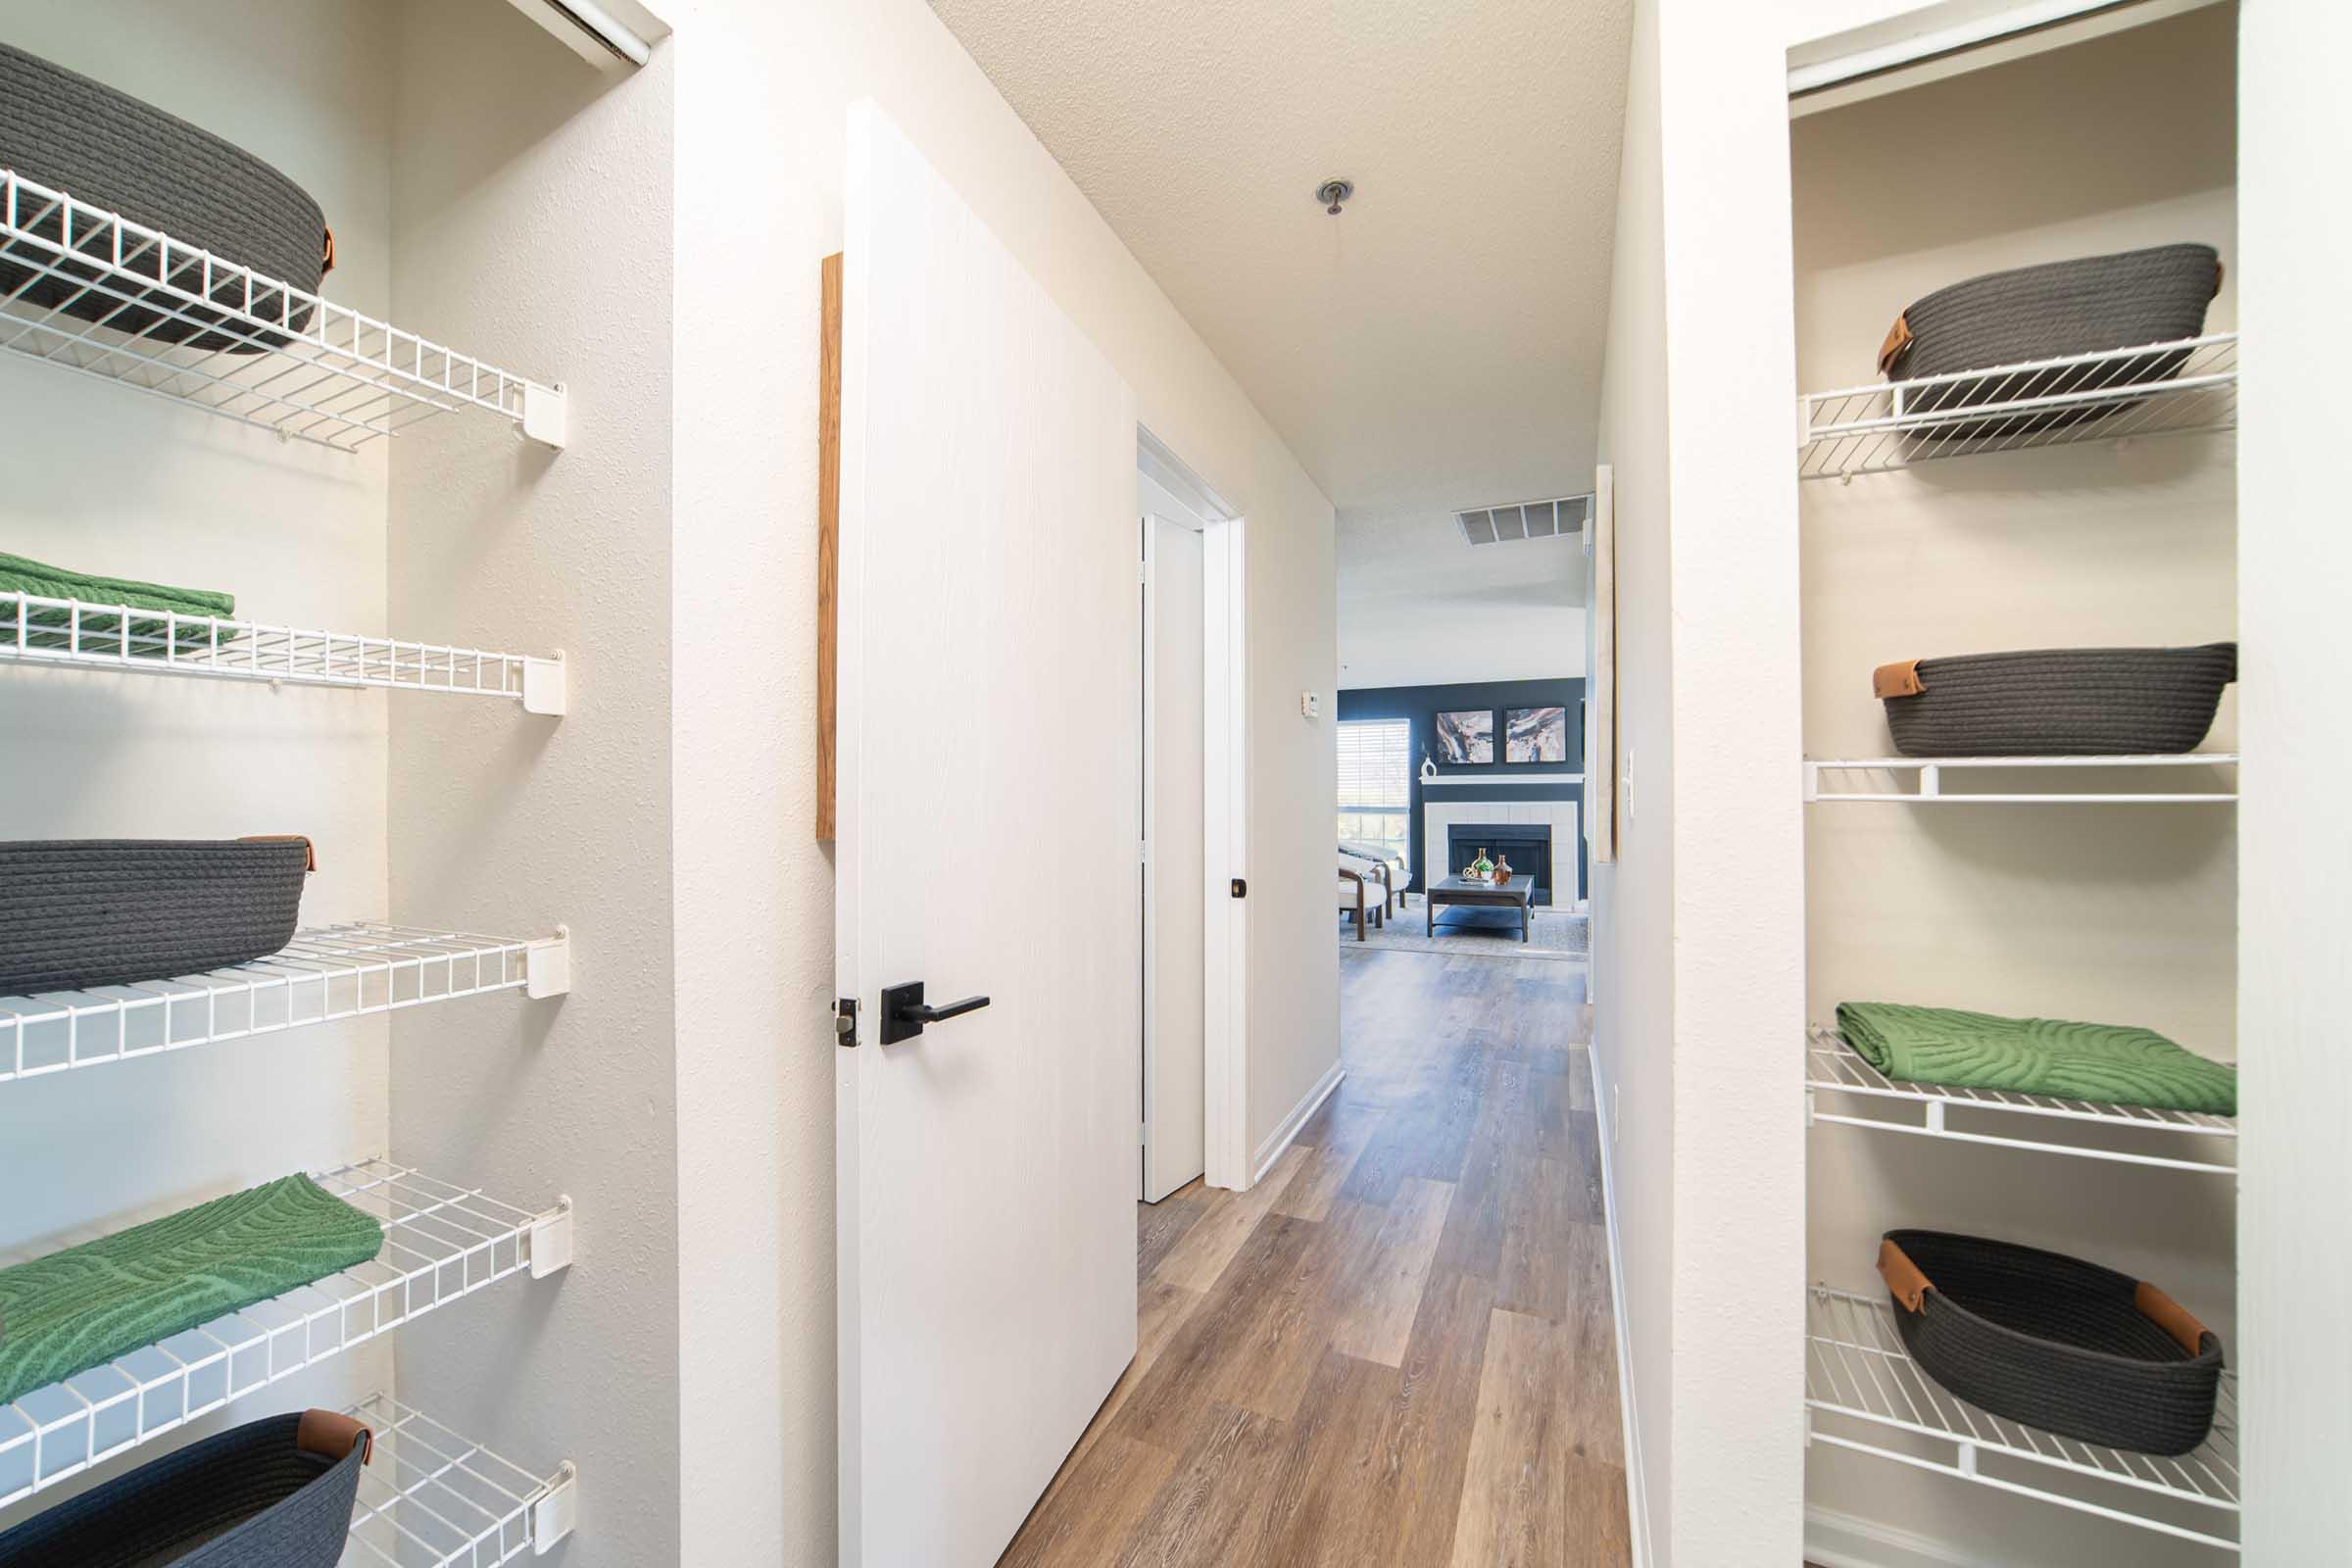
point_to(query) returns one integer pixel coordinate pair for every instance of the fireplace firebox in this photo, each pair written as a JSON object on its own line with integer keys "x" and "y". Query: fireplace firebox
{"x": 1526, "y": 845}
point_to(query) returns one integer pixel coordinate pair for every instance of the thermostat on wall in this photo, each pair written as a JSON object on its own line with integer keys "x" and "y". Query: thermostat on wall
{"x": 1311, "y": 705}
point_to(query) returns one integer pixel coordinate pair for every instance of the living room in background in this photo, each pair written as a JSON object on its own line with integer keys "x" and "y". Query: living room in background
{"x": 1536, "y": 807}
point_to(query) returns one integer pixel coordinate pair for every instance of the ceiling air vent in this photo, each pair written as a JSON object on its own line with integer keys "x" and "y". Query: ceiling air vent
{"x": 1525, "y": 519}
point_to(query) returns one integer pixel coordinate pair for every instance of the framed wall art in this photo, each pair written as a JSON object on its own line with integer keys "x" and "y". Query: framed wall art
{"x": 1466, "y": 737}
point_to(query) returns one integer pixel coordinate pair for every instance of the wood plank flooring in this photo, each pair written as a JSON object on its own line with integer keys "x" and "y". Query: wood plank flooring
{"x": 1398, "y": 1348}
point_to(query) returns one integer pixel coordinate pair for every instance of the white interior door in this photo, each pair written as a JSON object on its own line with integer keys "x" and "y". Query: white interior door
{"x": 1174, "y": 1140}
{"x": 987, "y": 795}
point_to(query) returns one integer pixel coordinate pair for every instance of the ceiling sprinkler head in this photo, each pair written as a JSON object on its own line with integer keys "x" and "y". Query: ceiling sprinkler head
{"x": 1332, "y": 192}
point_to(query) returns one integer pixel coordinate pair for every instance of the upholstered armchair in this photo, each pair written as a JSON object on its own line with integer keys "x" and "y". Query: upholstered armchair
{"x": 1362, "y": 894}
{"x": 1382, "y": 866}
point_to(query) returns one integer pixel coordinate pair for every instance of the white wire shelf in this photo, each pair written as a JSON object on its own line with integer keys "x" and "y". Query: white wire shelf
{"x": 326, "y": 974}
{"x": 305, "y": 368}
{"x": 2167, "y": 388}
{"x": 2011, "y": 1120}
{"x": 1858, "y": 1373}
{"x": 431, "y": 1498}
{"x": 1832, "y": 779}
{"x": 79, "y": 634}
{"x": 441, "y": 1242}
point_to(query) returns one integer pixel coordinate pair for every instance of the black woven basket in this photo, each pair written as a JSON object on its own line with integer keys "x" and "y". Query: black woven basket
{"x": 2059, "y": 702}
{"x": 109, "y": 150}
{"x": 2053, "y": 1342}
{"x": 2050, "y": 311}
{"x": 274, "y": 1494}
{"x": 81, "y": 913}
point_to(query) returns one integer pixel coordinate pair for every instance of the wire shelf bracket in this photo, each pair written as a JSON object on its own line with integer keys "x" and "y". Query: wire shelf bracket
{"x": 128, "y": 640}
{"x": 431, "y": 1498}
{"x": 326, "y": 974}
{"x": 169, "y": 312}
{"x": 556, "y": 1512}
{"x": 2011, "y": 1120}
{"x": 1861, "y": 1379}
{"x": 442, "y": 1242}
{"x": 551, "y": 1240}
{"x": 1830, "y": 779}
{"x": 547, "y": 966}
{"x": 2173, "y": 389}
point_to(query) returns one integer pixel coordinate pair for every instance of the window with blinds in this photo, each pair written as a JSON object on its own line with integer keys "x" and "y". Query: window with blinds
{"x": 1376, "y": 784}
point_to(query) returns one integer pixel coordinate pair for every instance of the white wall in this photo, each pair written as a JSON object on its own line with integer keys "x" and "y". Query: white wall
{"x": 2123, "y": 915}
{"x": 2294, "y": 839}
{"x": 1440, "y": 639}
{"x": 763, "y": 96}
{"x": 1700, "y": 920}
{"x": 1738, "y": 832}
{"x": 533, "y": 210}
{"x": 1633, "y": 913}
{"x": 104, "y": 479}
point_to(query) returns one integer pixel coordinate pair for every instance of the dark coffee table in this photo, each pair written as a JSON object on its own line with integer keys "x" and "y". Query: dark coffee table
{"x": 1513, "y": 894}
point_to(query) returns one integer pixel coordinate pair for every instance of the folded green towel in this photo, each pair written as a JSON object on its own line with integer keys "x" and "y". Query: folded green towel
{"x": 80, "y": 1309}
{"x": 19, "y": 575}
{"x": 2108, "y": 1062}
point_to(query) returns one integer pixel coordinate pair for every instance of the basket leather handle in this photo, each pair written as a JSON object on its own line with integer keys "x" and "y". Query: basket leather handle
{"x": 2169, "y": 1315}
{"x": 332, "y": 1435}
{"x": 1900, "y": 679}
{"x": 1902, "y": 1276}
{"x": 326, "y": 261}
{"x": 1898, "y": 338}
{"x": 310, "y": 859}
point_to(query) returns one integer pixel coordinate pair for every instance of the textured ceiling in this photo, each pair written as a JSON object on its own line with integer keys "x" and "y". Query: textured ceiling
{"x": 1438, "y": 343}
{"x": 1398, "y": 557}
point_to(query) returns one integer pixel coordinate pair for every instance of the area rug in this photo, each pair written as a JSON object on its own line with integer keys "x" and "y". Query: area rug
{"x": 1553, "y": 934}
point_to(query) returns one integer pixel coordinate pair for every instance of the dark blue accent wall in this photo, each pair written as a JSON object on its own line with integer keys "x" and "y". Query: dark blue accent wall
{"x": 1421, "y": 704}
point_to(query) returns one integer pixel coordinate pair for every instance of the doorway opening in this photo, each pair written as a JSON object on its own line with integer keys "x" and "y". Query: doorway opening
{"x": 1464, "y": 687}
{"x": 1192, "y": 1077}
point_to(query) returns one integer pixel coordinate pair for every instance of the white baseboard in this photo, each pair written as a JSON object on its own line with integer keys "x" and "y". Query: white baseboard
{"x": 1836, "y": 1539}
{"x": 1636, "y": 1493}
{"x": 1280, "y": 1139}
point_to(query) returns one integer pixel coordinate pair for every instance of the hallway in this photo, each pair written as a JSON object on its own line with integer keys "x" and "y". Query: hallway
{"x": 1399, "y": 1348}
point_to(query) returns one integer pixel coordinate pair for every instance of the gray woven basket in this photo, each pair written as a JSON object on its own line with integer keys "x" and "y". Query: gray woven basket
{"x": 2053, "y": 1342}
{"x": 2050, "y": 311}
{"x": 271, "y": 1494}
{"x": 83, "y": 913}
{"x": 109, "y": 150}
{"x": 2062, "y": 701}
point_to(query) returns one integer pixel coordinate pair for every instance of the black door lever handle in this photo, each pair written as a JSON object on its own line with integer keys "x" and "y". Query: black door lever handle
{"x": 953, "y": 1010}
{"x": 904, "y": 1012}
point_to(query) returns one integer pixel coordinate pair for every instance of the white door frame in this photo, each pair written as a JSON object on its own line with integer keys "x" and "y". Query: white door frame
{"x": 1158, "y": 506}
{"x": 1225, "y": 810}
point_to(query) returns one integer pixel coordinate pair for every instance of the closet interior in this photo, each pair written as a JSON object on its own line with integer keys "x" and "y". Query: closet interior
{"x": 2047, "y": 501}
{"x": 434, "y": 486}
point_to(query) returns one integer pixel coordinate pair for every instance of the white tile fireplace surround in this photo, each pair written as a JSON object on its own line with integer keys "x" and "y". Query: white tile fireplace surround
{"x": 1439, "y": 815}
